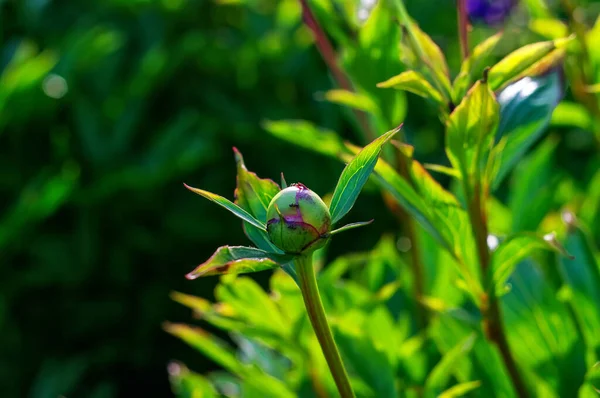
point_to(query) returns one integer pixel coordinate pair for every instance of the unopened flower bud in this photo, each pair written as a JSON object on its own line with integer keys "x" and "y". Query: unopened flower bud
{"x": 298, "y": 220}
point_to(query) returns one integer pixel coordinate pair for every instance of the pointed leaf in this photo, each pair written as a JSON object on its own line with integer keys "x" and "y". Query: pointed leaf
{"x": 471, "y": 130}
{"x": 238, "y": 260}
{"x": 415, "y": 83}
{"x": 306, "y": 135}
{"x": 350, "y": 226}
{"x": 516, "y": 249}
{"x": 512, "y": 66}
{"x": 232, "y": 207}
{"x": 460, "y": 390}
{"x": 355, "y": 175}
{"x": 427, "y": 54}
{"x": 252, "y": 193}
{"x": 443, "y": 371}
{"x": 352, "y": 100}
{"x": 223, "y": 354}
{"x": 472, "y": 68}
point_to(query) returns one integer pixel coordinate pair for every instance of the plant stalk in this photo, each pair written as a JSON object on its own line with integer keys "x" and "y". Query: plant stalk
{"x": 316, "y": 314}
{"x": 490, "y": 307}
{"x": 463, "y": 28}
{"x": 329, "y": 56}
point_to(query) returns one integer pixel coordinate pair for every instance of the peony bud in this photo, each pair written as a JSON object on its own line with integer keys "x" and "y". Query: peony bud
{"x": 298, "y": 220}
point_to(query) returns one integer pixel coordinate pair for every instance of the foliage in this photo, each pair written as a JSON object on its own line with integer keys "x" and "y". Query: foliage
{"x": 495, "y": 293}
{"x": 106, "y": 107}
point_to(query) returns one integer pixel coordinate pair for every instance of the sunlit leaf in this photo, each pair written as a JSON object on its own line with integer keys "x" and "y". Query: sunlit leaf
{"x": 225, "y": 356}
{"x": 352, "y": 100}
{"x": 571, "y": 114}
{"x": 252, "y": 193}
{"x": 306, "y": 135}
{"x": 472, "y": 67}
{"x": 460, "y": 390}
{"x": 549, "y": 28}
{"x": 354, "y": 177}
{"x": 429, "y": 58}
{"x": 415, "y": 83}
{"x": 232, "y": 207}
{"x": 471, "y": 129}
{"x": 238, "y": 260}
{"x": 514, "y": 64}
{"x": 517, "y": 248}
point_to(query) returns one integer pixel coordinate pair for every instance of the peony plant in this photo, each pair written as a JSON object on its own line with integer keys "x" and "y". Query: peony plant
{"x": 287, "y": 226}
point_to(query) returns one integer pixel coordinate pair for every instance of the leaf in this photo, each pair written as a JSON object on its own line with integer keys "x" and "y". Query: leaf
{"x": 352, "y": 100}
{"x": 441, "y": 374}
{"x": 542, "y": 334}
{"x": 238, "y": 260}
{"x": 460, "y": 390}
{"x": 428, "y": 55}
{"x": 253, "y": 194}
{"x": 187, "y": 384}
{"x": 549, "y": 28}
{"x": 533, "y": 187}
{"x": 582, "y": 275}
{"x": 224, "y": 355}
{"x": 512, "y": 66}
{"x": 350, "y": 226}
{"x": 232, "y": 207}
{"x": 355, "y": 175}
{"x": 306, "y": 135}
{"x": 571, "y": 114}
{"x": 471, "y": 129}
{"x": 472, "y": 67}
{"x": 415, "y": 83}
{"x": 526, "y": 108}
{"x": 516, "y": 249}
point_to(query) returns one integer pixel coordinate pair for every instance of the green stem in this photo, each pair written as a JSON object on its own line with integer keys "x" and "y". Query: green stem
{"x": 490, "y": 307}
{"x": 316, "y": 314}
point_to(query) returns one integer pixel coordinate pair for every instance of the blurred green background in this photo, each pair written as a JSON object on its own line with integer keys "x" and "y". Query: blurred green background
{"x": 106, "y": 107}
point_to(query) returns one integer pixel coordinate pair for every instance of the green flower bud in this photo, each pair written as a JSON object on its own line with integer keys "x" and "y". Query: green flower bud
{"x": 298, "y": 220}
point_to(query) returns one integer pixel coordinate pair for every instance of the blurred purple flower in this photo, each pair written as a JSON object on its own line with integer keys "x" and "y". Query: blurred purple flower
{"x": 491, "y": 12}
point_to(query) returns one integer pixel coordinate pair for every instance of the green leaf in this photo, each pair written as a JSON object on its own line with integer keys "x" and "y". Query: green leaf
{"x": 472, "y": 67}
{"x": 516, "y": 64}
{"x": 352, "y": 100}
{"x": 542, "y": 334}
{"x": 238, "y": 260}
{"x": 533, "y": 187}
{"x": 526, "y": 107}
{"x": 224, "y": 355}
{"x": 232, "y": 207}
{"x": 415, "y": 83}
{"x": 429, "y": 58}
{"x": 441, "y": 374}
{"x": 355, "y": 175}
{"x": 306, "y": 135}
{"x": 187, "y": 384}
{"x": 582, "y": 275}
{"x": 571, "y": 114}
{"x": 471, "y": 129}
{"x": 516, "y": 249}
{"x": 351, "y": 226}
{"x": 252, "y": 193}
{"x": 460, "y": 390}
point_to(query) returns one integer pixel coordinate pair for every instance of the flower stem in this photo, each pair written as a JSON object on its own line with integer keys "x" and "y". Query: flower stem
{"x": 316, "y": 314}
{"x": 463, "y": 28}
